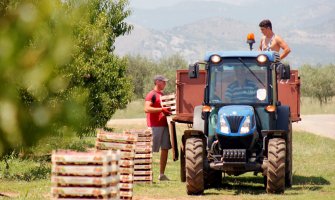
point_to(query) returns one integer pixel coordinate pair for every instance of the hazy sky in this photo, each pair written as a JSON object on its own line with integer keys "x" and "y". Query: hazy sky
{"x": 163, "y": 3}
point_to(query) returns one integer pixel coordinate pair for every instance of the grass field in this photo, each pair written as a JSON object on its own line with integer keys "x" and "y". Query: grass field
{"x": 28, "y": 177}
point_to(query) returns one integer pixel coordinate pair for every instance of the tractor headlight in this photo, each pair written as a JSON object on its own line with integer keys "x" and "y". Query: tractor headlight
{"x": 223, "y": 125}
{"x": 262, "y": 59}
{"x": 245, "y": 128}
{"x": 215, "y": 59}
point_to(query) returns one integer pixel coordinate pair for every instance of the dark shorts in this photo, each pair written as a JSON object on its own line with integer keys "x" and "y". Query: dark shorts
{"x": 161, "y": 138}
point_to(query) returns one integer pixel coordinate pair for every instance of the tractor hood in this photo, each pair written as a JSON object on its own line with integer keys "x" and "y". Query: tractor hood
{"x": 236, "y": 120}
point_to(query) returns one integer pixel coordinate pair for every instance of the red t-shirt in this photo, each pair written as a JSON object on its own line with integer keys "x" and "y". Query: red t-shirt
{"x": 155, "y": 119}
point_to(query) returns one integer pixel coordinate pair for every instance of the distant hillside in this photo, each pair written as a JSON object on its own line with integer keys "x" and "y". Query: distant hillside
{"x": 309, "y": 30}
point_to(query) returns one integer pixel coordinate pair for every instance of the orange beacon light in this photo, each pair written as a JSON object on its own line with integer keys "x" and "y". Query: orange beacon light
{"x": 251, "y": 40}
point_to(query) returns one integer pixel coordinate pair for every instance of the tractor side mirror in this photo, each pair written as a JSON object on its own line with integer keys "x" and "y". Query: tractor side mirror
{"x": 193, "y": 70}
{"x": 284, "y": 71}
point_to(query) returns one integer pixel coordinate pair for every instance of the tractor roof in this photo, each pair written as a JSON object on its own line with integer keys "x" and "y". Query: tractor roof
{"x": 272, "y": 55}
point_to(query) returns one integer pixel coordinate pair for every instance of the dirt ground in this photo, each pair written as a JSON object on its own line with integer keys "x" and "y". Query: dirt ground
{"x": 323, "y": 125}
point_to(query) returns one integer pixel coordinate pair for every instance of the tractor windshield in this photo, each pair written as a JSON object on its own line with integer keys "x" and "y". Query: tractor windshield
{"x": 238, "y": 81}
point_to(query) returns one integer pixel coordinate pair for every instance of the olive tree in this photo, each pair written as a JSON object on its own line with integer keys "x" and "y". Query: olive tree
{"x": 35, "y": 46}
{"x": 94, "y": 66}
{"x": 57, "y": 68}
{"x": 318, "y": 82}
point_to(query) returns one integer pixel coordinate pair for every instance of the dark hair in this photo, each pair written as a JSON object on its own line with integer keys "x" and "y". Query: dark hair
{"x": 266, "y": 24}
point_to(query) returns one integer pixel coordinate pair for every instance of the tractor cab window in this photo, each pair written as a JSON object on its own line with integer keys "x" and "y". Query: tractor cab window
{"x": 238, "y": 81}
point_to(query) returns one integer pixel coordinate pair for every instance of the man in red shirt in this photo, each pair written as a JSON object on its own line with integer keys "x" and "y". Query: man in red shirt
{"x": 156, "y": 120}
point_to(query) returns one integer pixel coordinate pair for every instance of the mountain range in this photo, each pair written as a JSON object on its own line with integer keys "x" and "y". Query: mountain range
{"x": 192, "y": 27}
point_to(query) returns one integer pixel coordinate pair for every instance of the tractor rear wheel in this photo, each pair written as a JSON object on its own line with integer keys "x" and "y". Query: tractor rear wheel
{"x": 275, "y": 178}
{"x": 194, "y": 156}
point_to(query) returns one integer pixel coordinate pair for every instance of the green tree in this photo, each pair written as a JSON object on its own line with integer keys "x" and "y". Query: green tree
{"x": 57, "y": 65}
{"x": 168, "y": 66}
{"x": 146, "y": 69}
{"x": 318, "y": 82}
{"x": 35, "y": 45}
{"x": 94, "y": 66}
{"x": 140, "y": 71}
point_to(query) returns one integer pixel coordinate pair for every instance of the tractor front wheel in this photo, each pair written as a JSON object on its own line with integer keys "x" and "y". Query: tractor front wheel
{"x": 194, "y": 156}
{"x": 275, "y": 178}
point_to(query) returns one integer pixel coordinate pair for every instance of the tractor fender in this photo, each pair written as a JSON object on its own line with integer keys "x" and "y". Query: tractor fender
{"x": 198, "y": 122}
{"x": 283, "y": 118}
{"x": 197, "y": 129}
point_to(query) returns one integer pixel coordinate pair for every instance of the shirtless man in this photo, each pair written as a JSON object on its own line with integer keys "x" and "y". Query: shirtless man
{"x": 272, "y": 42}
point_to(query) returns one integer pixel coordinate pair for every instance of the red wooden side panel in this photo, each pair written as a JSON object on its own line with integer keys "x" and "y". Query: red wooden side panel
{"x": 289, "y": 94}
{"x": 190, "y": 93}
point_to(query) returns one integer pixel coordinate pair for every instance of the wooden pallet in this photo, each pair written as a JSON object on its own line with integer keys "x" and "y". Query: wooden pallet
{"x": 139, "y": 132}
{"x": 114, "y": 146}
{"x": 126, "y": 143}
{"x": 88, "y": 192}
{"x": 139, "y": 161}
{"x": 146, "y": 176}
{"x": 106, "y": 136}
{"x": 80, "y": 158}
{"x": 169, "y": 101}
{"x": 143, "y": 157}
{"x": 80, "y": 175}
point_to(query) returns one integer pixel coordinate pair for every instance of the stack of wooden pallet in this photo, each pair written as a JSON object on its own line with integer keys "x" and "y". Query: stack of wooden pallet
{"x": 89, "y": 175}
{"x": 143, "y": 156}
{"x": 126, "y": 143}
{"x": 169, "y": 101}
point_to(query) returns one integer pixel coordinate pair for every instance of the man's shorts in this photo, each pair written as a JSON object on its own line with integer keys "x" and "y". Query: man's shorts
{"x": 161, "y": 138}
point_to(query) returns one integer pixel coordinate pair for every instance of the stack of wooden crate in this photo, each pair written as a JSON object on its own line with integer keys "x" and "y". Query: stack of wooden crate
{"x": 126, "y": 143}
{"x": 143, "y": 156}
{"x": 169, "y": 101}
{"x": 89, "y": 175}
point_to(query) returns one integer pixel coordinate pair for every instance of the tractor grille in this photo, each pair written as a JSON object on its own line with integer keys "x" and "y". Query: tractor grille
{"x": 234, "y": 155}
{"x": 234, "y": 123}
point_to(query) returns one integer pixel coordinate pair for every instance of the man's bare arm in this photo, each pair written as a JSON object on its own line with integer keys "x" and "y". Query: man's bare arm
{"x": 282, "y": 44}
{"x": 260, "y": 45}
{"x": 149, "y": 109}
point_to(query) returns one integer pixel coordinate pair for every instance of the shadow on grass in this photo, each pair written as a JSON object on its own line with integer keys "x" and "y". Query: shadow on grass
{"x": 311, "y": 183}
{"x": 241, "y": 185}
{"x": 255, "y": 185}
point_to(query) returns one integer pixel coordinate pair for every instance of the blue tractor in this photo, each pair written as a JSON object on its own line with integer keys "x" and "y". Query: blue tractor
{"x": 241, "y": 125}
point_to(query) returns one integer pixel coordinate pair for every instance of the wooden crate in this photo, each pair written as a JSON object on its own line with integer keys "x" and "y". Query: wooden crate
{"x": 139, "y": 161}
{"x": 105, "y": 181}
{"x": 115, "y": 146}
{"x": 82, "y": 158}
{"x": 143, "y": 157}
{"x": 126, "y": 143}
{"x": 80, "y": 175}
{"x": 139, "y": 132}
{"x": 85, "y": 170}
{"x": 143, "y": 177}
{"x": 169, "y": 101}
{"x": 106, "y": 136}
{"x": 88, "y": 192}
